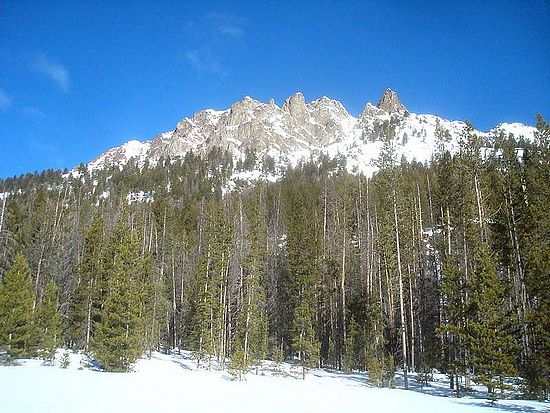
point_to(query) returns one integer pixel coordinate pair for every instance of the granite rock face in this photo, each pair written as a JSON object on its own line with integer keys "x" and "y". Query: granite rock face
{"x": 300, "y": 129}
{"x": 391, "y": 103}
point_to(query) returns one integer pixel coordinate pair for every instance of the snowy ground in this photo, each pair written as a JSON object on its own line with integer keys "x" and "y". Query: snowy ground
{"x": 172, "y": 383}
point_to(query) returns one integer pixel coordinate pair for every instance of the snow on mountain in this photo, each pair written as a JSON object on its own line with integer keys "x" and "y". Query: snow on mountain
{"x": 120, "y": 155}
{"x": 298, "y": 130}
{"x": 519, "y": 130}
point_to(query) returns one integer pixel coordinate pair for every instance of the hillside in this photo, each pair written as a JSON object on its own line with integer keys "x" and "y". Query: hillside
{"x": 436, "y": 267}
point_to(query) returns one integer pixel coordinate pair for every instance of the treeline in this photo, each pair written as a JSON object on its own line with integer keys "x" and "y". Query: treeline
{"x": 442, "y": 266}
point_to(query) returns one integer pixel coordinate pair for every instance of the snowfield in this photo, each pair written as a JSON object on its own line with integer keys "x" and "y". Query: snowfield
{"x": 172, "y": 383}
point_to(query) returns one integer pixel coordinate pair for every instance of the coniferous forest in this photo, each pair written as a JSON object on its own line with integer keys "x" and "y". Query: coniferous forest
{"x": 441, "y": 267}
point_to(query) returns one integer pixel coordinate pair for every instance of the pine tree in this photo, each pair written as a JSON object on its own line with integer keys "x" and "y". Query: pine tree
{"x": 17, "y": 331}
{"x": 453, "y": 291}
{"x": 492, "y": 345}
{"x": 536, "y": 247}
{"x": 201, "y": 313}
{"x": 375, "y": 352}
{"x": 48, "y": 324}
{"x": 303, "y": 264}
{"x": 119, "y": 338}
{"x": 304, "y": 339}
{"x": 210, "y": 317}
{"x": 90, "y": 290}
{"x": 255, "y": 306}
{"x": 389, "y": 371}
{"x": 238, "y": 366}
{"x": 352, "y": 347}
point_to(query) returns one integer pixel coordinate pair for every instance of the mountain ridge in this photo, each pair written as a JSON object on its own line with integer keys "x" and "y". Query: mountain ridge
{"x": 299, "y": 130}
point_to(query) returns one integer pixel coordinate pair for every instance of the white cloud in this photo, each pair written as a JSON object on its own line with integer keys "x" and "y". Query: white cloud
{"x": 204, "y": 62}
{"x": 208, "y": 38}
{"x": 55, "y": 71}
{"x": 226, "y": 24}
{"x": 5, "y": 100}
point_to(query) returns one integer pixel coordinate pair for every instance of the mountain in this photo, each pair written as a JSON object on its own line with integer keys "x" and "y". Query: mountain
{"x": 299, "y": 130}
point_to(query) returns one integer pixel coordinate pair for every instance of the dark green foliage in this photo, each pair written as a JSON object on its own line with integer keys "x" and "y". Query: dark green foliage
{"x": 304, "y": 341}
{"x": 118, "y": 341}
{"x": 238, "y": 366}
{"x": 537, "y": 256}
{"x": 17, "y": 330}
{"x": 389, "y": 371}
{"x": 48, "y": 324}
{"x": 302, "y": 250}
{"x": 492, "y": 344}
{"x": 90, "y": 290}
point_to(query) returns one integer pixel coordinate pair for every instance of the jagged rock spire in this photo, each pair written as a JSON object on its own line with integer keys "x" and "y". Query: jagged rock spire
{"x": 390, "y": 102}
{"x": 295, "y": 105}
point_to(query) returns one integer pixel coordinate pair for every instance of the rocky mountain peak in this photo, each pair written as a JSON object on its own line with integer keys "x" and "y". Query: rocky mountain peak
{"x": 298, "y": 130}
{"x": 390, "y": 103}
{"x": 295, "y": 105}
{"x": 246, "y": 102}
{"x": 370, "y": 111}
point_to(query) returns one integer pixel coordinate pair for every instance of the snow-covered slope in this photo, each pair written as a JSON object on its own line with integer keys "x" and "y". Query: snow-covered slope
{"x": 172, "y": 383}
{"x": 299, "y": 130}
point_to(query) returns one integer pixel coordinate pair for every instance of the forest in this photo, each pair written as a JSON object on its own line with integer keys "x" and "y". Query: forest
{"x": 438, "y": 267}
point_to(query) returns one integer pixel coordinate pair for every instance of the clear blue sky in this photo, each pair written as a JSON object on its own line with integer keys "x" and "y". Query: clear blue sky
{"x": 78, "y": 78}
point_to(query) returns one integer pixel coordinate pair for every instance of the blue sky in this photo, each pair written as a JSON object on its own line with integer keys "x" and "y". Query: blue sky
{"x": 79, "y": 77}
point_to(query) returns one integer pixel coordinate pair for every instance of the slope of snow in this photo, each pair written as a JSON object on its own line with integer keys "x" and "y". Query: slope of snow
{"x": 172, "y": 383}
{"x": 301, "y": 131}
{"x": 516, "y": 129}
{"x": 120, "y": 155}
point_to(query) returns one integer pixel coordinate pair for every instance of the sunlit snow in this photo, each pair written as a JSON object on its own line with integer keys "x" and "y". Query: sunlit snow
{"x": 172, "y": 383}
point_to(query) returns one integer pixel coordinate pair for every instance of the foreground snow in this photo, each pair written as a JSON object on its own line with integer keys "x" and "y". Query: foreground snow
{"x": 172, "y": 383}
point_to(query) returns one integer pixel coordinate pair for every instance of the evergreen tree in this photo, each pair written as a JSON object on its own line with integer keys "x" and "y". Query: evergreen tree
{"x": 255, "y": 306}
{"x": 304, "y": 339}
{"x": 389, "y": 371}
{"x": 90, "y": 290}
{"x": 375, "y": 351}
{"x": 536, "y": 227}
{"x": 118, "y": 341}
{"x": 453, "y": 288}
{"x": 210, "y": 316}
{"x": 17, "y": 331}
{"x": 303, "y": 264}
{"x": 48, "y": 324}
{"x": 492, "y": 345}
{"x": 238, "y": 366}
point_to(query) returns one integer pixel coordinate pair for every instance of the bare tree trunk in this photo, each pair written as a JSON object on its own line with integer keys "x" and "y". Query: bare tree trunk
{"x": 88, "y": 323}
{"x": 520, "y": 298}
{"x": 479, "y": 209}
{"x": 401, "y": 300}
{"x": 247, "y": 323}
{"x": 325, "y": 224}
{"x": 343, "y": 287}
{"x": 241, "y": 253}
{"x": 174, "y": 316}
{"x": 448, "y": 232}
{"x": 389, "y": 287}
{"x": 38, "y": 274}
{"x": 411, "y": 309}
{"x": 3, "y": 211}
